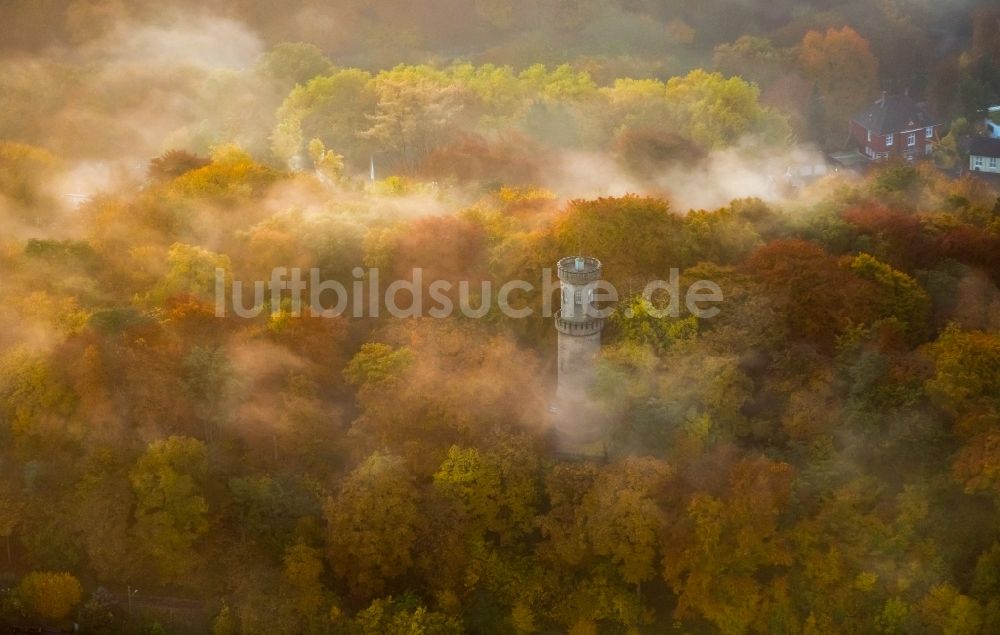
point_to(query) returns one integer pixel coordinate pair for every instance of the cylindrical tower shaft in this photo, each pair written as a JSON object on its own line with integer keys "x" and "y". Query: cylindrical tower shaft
{"x": 579, "y": 326}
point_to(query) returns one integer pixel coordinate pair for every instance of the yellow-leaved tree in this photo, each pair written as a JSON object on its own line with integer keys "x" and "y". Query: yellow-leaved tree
{"x": 49, "y": 595}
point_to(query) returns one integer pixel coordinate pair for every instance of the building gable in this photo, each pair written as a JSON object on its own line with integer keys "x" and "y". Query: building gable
{"x": 894, "y": 114}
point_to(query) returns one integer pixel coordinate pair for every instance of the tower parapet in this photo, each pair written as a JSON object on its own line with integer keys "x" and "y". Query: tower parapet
{"x": 577, "y": 327}
{"x": 579, "y": 269}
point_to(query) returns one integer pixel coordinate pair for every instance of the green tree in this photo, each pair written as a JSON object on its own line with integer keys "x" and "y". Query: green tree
{"x": 496, "y": 489}
{"x": 376, "y": 364}
{"x": 635, "y": 237}
{"x": 946, "y": 610}
{"x": 966, "y": 385}
{"x": 372, "y": 525}
{"x": 966, "y": 381}
{"x": 715, "y": 555}
{"x": 266, "y": 509}
{"x": 624, "y": 517}
{"x": 900, "y": 296}
{"x": 171, "y": 511}
{"x": 415, "y": 114}
{"x": 330, "y": 108}
{"x": 500, "y": 93}
{"x": 303, "y": 568}
{"x": 104, "y": 506}
{"x": 716, "y": 112}
{"x": 723, "y": 236}
{"x": 635, "y": 324}
{"x": 404, "y": 616}
{"x": 329, "y": 165}
{"x": 286, "y": 141}
{"x": 209, "y": 379}
{"x": 563, "y": 83}
{"x": 602, "y": 534}
{"x": 190, "y": 270}
{"x": 946, "y": 153}
{"x": 35, "y": 402}
{"x": 753, "y": 58}
{"x": 291, "y": 63}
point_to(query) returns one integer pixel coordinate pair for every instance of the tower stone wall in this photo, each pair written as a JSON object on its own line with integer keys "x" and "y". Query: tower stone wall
{"x": 577, "y": 425}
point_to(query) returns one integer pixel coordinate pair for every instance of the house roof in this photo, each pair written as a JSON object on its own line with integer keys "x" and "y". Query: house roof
{"x": 848, "y": 158}
{"x": 984, "y": 147}
{"x": 895, "y": 113}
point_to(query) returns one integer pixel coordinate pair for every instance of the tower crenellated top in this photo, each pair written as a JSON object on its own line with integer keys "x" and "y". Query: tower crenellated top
{"x": 578, "y": 277}
{"x": 579, "y": 269}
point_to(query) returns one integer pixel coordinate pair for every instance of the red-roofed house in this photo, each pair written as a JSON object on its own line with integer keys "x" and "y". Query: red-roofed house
{"x": 895, "y": 126}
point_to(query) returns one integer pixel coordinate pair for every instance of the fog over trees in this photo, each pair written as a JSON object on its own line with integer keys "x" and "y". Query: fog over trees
{"x": 821, "y": 456}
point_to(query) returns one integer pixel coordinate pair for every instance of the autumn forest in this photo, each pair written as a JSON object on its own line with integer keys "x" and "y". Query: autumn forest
{"x": 819, "y": 456}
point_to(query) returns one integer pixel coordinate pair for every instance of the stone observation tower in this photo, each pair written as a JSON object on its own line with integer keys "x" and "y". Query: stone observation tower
{"x": 577, "y": 426}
